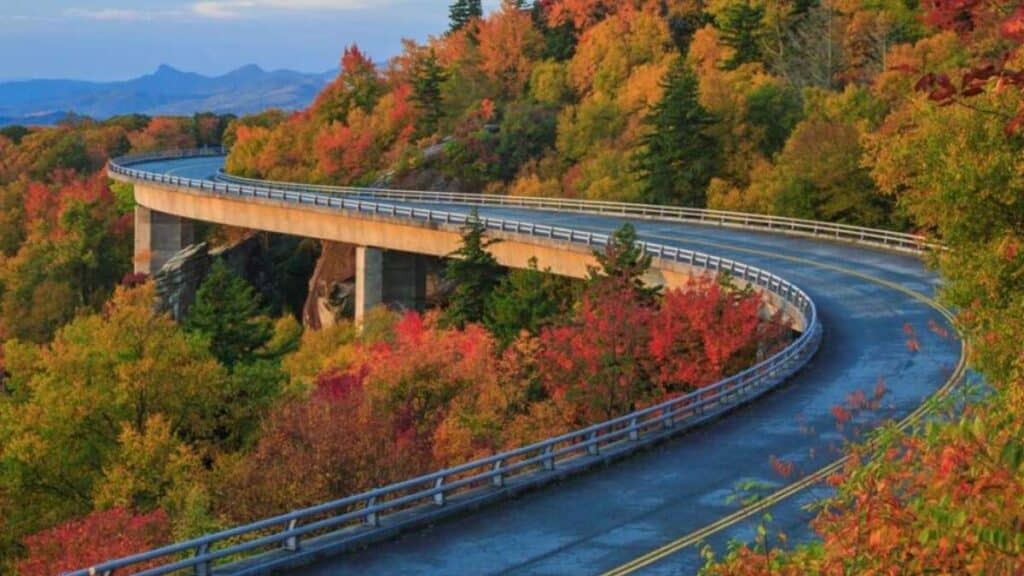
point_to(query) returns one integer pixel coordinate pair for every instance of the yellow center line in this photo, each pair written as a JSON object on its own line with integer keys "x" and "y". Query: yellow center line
{"x": 822, "y": 474}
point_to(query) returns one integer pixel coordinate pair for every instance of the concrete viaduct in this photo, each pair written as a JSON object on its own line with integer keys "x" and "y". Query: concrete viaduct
{"x": 856, "y": 294}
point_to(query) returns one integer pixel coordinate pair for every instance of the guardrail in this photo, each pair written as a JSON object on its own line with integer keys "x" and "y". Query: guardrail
{"x": 364, "y": 515}
{"x": 900, "y": 241}
{"x": 778, "y": 224}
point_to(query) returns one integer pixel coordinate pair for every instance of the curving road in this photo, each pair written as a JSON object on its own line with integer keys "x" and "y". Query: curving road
{"x": 868, "y": 299}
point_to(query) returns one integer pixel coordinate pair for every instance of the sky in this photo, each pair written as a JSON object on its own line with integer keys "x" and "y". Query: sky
{"x": 106, "y": 40}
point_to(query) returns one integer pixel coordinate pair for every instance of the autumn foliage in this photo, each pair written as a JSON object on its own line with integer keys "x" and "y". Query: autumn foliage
{"x": 426, "y": 396}
{"x": 92, "y": 540}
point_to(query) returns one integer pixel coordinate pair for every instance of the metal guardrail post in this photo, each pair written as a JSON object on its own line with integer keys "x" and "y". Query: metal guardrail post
{"x": 203, "y": 568}
{"x": 498, "y": 480}
{"x": 439, "y": 498}
{"x": 292, "y": 543}
{"x": 372, "y": 519}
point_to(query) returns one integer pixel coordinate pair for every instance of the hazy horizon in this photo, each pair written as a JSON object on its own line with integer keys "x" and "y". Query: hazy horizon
{"x": 111, "y": 40}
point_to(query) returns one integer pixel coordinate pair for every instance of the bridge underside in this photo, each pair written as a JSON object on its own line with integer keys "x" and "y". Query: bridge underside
{"x": 163, "y": 227}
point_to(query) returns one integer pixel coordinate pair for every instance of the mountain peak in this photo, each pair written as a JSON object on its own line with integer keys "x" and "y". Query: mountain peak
{"x": 248, "y": 69}
{"x": 167, "y": 70}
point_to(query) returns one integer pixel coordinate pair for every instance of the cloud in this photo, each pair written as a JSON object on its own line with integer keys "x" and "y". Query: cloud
{"x": 228, "y": 9}
{"x": 119, "y": 14}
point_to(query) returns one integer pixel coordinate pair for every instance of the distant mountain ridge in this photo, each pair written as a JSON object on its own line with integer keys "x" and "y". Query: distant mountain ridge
{"x": 167, "y": 91}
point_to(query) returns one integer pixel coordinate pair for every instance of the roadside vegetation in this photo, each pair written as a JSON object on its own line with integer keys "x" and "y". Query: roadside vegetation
{"x": 121, "y": 429}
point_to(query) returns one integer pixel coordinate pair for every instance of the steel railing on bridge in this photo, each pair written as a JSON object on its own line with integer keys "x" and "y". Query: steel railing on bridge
{"x": 779, "y": 224}
{"x": 373, "y": 514}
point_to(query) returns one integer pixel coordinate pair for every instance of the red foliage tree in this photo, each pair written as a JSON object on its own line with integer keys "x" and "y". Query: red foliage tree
{"x": 594, "y": 368}
{"x": 704, "y": 333}
{"x": 96, "y": 538}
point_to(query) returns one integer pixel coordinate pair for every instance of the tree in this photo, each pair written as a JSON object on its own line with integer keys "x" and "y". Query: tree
{"x": 77, "y": 249}
{"x": 358, "y": 86}
{"x": 509, "y": 43}
{"x": 776, "y": 110}
{"x": 622, "y": 265}
{"x": 678, "y": 157}
{"x": 94, "y": 539}
{"x": 739, "y": 24}
{"x": 14, "y": 133}
{"x": 227, "y": 314}
{"x": 462, "y": 12}
{"x": 428, "y": 76}
{"x": 706, "y": 332}
{"x": 112, "y": 394}
{"x": 164, "y": 134}
{"x": 526, "y": 301}
{"x": 820, "y": 175}
{"x": 527, "y": 132}
{"x": 474, "y": 273}
{"x": 593, "y": 368}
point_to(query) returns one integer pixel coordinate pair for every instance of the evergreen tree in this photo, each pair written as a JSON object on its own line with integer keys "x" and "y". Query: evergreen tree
{"x": 227, "y": 313}
{"x": 428, "y": 75}
{"x": 462, "y": 12}
{"x": 527, "y": 300}
{"x": 623, "y": 263}
{"x": 559, "y": 41}
{"x": 677, "y": 157}
{"x": 739, "y": 25}
{"x": 474, "y": 272}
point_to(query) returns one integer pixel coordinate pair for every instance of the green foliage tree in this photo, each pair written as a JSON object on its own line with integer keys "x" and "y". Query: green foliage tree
{"x": 474, "y": 273}
{"x": 227, "y": 314}
{"x": 462, "y": 12}
{"x": 678, "y": 156}
{"x": 776, "y": 110}
{"x": 527, "y": 131}
{"x": 623, "y": 264}
{"x": 67, "y": 152}
{"x": 739, "y": 25}
{"x": 427, "y": 78}
{"x": 85, "y": 418}
{"x": 526, "y": 301}
{"x": 14, "y": 133}
{"x": 559, "y": 40}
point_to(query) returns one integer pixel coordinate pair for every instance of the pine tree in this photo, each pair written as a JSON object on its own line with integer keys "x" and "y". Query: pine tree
{"x": 462, "y": 12}
{"x": 474, "y": 272}
{"x": 227, "y": 313}
{"x": 739, "y": 25}
{"x": 527, "y": 300}
{"x": 428, "y": 75}
{"x": 623, "y": 263}
{"x": 677, "y": 157}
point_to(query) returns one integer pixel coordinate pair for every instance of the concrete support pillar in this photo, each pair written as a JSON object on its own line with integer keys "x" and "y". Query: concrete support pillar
{"x": 369, "y": 280}
{"x": 405, "y": 280}
{"x": 158, "y": 237}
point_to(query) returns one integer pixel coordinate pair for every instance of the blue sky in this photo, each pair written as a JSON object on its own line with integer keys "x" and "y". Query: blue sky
{"x": 119, "y": 39}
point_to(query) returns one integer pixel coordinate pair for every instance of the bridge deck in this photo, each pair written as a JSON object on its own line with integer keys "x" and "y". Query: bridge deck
{"x": 601, "y": 520}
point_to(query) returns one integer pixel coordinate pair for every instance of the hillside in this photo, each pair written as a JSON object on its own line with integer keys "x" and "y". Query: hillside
{"x": 167, "y": 91}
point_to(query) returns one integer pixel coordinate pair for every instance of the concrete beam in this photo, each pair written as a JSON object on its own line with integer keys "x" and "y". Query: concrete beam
{"x": 369, "y": 280}
{"x": 391, "y": 233}
{"x": 158, "y": 237}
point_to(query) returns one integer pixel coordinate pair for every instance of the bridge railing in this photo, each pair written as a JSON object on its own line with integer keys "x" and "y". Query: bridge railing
{"x": 780, "y": 224}
{"x": 370, "y": 512}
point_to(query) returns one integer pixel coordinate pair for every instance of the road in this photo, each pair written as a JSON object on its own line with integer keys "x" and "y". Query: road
{"x": 868, "y": 300}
